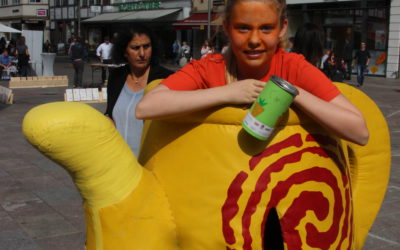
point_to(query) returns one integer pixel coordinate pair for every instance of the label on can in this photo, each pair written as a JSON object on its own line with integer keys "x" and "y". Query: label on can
{"x": 257, "y": 128}
{"x": 273, "y": 101}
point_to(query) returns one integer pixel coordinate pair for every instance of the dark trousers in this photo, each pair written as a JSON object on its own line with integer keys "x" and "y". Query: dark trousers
{"x": 104, "y": 69}
{"x": 78, "y": 74}
{"x": 23, "y": 70}
{"x": 360, "y": 73}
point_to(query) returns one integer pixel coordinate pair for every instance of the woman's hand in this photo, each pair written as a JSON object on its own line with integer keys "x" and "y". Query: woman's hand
{"x": 244, "y": 91}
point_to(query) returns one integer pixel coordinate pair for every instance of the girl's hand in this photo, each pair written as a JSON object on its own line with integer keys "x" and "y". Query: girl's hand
{"x": 244, "y": 91}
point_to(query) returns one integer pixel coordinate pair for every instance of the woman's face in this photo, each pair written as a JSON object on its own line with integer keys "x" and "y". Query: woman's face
{"x": 254, "y": 29}
{"x": 138, "y": 51}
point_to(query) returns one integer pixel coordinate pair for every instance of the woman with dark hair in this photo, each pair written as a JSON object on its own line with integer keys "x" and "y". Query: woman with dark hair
{"x": 135, "y": 47}
{"x": 309, "y": 41}
{"x": 22, "y": 54}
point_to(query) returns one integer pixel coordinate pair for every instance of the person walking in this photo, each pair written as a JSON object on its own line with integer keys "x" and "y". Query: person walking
{"x": 78, "y": 54}
{"x": 22, "y": 54}
{"x": 348, "y": 58}
{"x": 362, "y": 58}
{"x": 176, "y": 51}
{"x": 103, "y": 52}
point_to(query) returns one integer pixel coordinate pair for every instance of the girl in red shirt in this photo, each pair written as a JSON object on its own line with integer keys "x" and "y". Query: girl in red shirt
{"x": 257, "y": 29}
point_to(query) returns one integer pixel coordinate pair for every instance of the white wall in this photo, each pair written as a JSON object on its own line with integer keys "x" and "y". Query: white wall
{"x": 34, "y": 41}
{"x": 393, "y": 67}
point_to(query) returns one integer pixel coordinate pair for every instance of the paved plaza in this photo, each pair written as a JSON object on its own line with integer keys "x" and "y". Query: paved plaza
{"x": 40, "y": 207}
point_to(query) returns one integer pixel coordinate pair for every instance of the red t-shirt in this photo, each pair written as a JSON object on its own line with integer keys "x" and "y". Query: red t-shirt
{"x": 209, "y": 72}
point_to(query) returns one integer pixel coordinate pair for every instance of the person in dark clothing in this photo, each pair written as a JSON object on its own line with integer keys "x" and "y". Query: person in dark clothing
{"x": 309, "y": 41}
{"x": 78, "y": 54}
{"x": 348, "y": 58}
{"x": 334, "y": 68}
{"x": 126, "y": 84}
{"x": 22, "y": 54}
{"x": 362, "y": 57}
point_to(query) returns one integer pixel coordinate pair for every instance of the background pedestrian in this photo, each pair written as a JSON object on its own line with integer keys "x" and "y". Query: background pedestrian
{"x": 362, "y": 58}
{"x": 103, "y": 52}
{"x": 126, "y": 84}
{"x": 22, "y": 54}
{"x": 206, "y": 48}
{"x": 78, "y": 54}
{"x": 348, "y": 58}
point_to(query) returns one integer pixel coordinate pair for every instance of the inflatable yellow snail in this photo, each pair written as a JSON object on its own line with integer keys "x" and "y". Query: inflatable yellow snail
{"x": 207, "y": 184}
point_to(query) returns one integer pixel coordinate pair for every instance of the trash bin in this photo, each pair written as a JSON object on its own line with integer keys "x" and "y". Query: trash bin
{"x": 48, "y": 63}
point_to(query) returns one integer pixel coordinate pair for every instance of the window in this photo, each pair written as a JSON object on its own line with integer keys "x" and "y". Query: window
{"x": 34, "y": 1}
{"x": 94, "y": 2}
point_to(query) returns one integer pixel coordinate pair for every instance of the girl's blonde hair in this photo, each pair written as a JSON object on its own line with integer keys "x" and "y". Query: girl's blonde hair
{"x": 230, "y": 59}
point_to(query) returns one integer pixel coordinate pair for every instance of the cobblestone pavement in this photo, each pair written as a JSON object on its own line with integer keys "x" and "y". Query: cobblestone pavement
{"x": 40, "y": 207}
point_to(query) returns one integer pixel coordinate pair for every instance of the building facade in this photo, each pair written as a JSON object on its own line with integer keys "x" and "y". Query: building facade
{"x": 25, "y": 15}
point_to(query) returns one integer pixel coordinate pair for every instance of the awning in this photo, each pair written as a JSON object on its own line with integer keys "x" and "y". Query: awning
{"x": 6, "y": 29}
{"x": 197, "y": 21}
{"x": 135, "y": 16}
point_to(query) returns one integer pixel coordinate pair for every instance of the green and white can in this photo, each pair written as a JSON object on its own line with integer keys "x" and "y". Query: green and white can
{"x": 273, "y": 101}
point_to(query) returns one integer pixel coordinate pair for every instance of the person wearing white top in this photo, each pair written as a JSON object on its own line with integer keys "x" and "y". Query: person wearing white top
{"x": 104, "y": 54}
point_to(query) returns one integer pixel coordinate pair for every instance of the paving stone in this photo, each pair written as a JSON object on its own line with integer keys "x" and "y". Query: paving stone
{"x": 74, "y": 241}
{"x": 26, "y": 208}
{"x": 9, "y": 185}
{"x": 3, "y": 173}
{"x": 59, "y": 196}
{"x": 46, "y": 225}
{"x": 386, "y": 227}
{"x": 8, "y": 224}
{"x": 73, "y": 213}
{"x": 16, "y": 240}
{"x": 39, "y": 183}
{"x": 26, "y": 172}
{"x": 13, "y": 163}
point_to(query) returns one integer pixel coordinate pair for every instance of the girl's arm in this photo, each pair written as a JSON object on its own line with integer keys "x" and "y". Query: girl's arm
{"x": 161, "y": 102}
{"x": 339, "y": 116}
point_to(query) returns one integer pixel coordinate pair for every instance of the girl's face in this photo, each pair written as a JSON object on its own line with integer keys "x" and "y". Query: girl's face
{"x": 254, "y": 29}
{"x": 138, "y": 52}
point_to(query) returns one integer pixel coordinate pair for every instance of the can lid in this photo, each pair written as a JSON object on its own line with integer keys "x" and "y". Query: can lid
{"x": 284, "y": 85}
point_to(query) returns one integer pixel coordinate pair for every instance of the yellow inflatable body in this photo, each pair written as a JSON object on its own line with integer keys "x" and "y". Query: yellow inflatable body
{"x": 207, "y": 184}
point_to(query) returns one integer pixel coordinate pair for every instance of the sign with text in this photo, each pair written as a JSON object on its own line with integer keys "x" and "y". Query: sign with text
{"x": 41, "y": 12}
{"x": 151, "y": 5}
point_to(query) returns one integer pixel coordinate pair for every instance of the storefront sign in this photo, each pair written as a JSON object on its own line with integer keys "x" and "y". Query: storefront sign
{"x": 41, "y": 12}
{"x": 151, "y": 5}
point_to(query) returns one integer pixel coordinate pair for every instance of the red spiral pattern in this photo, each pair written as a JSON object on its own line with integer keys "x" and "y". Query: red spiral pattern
{"x": 305, "y": 201}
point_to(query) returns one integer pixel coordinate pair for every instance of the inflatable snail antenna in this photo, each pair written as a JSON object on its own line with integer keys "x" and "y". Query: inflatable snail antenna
{"x": 207, "y": 184}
